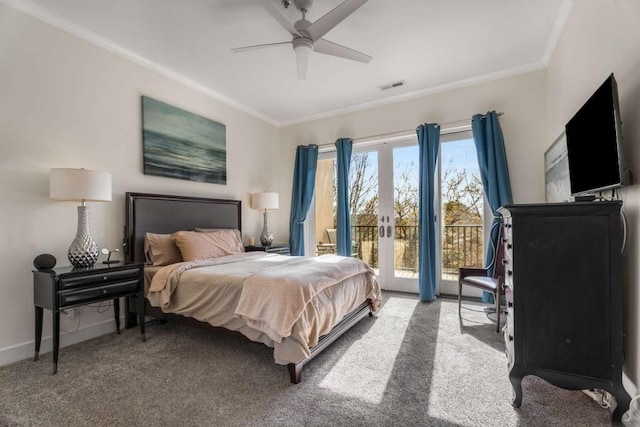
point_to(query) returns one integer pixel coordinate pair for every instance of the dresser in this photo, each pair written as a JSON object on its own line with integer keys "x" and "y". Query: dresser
{"x": 70, "y": 287}
{"x": 564, "y": 296}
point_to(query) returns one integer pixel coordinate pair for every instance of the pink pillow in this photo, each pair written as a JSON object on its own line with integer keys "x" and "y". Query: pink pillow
{"x": 159, "y": 249}
{"x": 194, "y": 245}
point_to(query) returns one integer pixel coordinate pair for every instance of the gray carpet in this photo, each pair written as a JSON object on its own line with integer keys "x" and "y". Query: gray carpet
{"x": 412, "y": 365}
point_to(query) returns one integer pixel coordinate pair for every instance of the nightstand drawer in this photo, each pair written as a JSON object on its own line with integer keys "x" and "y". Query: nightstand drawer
{"x": 103, "y": 277}
{"x": 284, "y": 250}
{"x": 97, "y": 294}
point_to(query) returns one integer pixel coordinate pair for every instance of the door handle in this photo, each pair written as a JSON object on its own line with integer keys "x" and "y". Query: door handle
{"x": 389, "y": 233}
{"x": 381, "y": 231}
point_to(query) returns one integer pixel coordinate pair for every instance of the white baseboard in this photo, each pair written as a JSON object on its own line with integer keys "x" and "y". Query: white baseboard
{"x": 26, "y": 350}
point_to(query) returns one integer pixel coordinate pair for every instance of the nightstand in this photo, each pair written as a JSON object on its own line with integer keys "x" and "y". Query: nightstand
{"x": 282, "y": 249}
{"x": 68, "y": 287}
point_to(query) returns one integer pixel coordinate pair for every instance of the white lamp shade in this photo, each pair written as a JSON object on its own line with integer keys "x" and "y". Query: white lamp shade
{"x": 265, "y": 200}
{"x": 79, "y": 184}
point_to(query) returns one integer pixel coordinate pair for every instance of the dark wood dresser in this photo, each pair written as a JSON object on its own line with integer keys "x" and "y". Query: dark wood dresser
{"x": 564, "y": 296}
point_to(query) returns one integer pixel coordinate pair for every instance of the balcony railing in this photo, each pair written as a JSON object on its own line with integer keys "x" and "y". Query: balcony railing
{"x": 462, "y": 246}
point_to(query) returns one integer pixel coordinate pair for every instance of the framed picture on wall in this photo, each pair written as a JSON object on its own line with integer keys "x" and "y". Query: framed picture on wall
{"x": 183, "y": 145}
{"x": 556, "y": 171}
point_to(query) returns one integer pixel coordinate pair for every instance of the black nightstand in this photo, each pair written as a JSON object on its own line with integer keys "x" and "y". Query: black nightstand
{"x": 69, "y": 287}
{"x": 282, "y": 249}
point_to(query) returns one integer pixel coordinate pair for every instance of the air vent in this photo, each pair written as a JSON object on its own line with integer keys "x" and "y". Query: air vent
{"x": 392, "y": 85}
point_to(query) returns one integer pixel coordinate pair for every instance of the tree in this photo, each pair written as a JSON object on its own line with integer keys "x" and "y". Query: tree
{"x": 462, "y": 198}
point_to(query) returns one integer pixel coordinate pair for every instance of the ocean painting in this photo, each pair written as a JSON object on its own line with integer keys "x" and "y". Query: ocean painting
{"x": 183, "y": 145}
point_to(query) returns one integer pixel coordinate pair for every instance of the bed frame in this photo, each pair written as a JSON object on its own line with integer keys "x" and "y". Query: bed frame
{"x": 158, "y": 213}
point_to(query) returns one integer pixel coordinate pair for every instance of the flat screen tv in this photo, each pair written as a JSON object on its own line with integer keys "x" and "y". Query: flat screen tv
{"x": 594, "y": 144}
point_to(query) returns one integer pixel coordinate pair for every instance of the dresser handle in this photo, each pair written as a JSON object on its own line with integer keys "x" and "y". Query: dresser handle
{"x": 104, "y": 278}
{"x": 104, "y": 291}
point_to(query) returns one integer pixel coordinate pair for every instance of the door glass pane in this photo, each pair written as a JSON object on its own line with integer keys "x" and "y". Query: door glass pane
{"x": 325, "y": 207}
{"x": 462, "y": 208}
{"x": 405, "y": 208}
{"x": 363, "y": 200}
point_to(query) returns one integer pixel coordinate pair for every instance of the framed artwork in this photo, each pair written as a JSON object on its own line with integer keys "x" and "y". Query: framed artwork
{"x": 556, "y": 171}
{"x": 183, "y": 145}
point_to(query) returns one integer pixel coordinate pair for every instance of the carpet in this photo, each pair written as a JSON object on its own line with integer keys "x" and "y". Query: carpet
{"x": 414, "y": 364}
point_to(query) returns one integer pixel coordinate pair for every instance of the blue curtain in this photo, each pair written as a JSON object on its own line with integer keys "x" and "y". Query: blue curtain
{"x": 494, "y": 173}
{"x": 429, "y": 144}
{"x": 304, "y": 181}
{"x": 343, "y": 232}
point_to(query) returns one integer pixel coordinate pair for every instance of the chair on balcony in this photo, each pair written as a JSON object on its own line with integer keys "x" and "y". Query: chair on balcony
{"x": 481, "y": 278}
{"x": 328, "y": 248}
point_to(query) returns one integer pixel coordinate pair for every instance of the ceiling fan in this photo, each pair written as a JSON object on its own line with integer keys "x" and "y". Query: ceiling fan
{"x": 307, "y": 36}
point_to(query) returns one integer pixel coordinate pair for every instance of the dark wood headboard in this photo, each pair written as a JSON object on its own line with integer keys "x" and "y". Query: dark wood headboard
{"x": 160, "y": 213}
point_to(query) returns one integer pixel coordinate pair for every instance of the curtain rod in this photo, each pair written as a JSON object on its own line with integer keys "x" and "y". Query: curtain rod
{"x": 445, "y": 128}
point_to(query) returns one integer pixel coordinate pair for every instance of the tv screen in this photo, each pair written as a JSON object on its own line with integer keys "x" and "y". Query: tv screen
{"x": 594, "y": 151}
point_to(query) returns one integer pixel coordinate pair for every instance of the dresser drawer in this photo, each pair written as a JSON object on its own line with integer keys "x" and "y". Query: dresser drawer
{"x": 98, "y": 293}
{"x": 102, "y": 277}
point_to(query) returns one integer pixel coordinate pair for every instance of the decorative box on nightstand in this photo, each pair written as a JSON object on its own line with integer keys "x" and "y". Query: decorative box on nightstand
{"x": 274, "y": 249}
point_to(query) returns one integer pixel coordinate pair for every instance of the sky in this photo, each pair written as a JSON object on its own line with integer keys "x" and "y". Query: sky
{"x": 458, "y": 154}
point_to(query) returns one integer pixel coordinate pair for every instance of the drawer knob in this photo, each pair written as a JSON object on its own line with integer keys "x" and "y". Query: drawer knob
{"x": 509, "y": 245}
{"x": 510, "y": 338}
{"x": 509, "y": 272}
{"x": 510, "y": 304}
{"x": 104, "y": 278}
{"x": 104, "y": 291}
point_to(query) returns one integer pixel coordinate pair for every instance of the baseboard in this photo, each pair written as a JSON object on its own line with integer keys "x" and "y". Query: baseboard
{"x": 26, "y": 350}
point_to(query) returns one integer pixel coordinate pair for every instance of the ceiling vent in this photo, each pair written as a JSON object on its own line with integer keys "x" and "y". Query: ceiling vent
{"x": 392, "y": 85}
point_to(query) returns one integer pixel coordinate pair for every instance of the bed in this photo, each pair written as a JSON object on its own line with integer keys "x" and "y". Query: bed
{"x": 231, "y": 293}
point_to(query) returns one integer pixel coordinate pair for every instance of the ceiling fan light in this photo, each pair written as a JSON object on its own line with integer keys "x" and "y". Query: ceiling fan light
{"x": 303, "y": 49}
{"x": 302, "y": 46}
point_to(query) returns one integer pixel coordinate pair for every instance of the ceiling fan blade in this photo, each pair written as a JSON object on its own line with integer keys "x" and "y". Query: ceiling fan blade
{"x": 323, "y": 25}
{"x": 258, "y": 46}
{"x": 334, "y": 49}
{"x": 279, "y": 17}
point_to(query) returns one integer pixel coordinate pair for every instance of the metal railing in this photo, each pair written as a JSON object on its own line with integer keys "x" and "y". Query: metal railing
{"x": 462, "y": 246}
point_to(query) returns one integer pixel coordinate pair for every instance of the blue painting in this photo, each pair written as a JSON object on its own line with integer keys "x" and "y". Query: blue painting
{"x": 183, "y": 145}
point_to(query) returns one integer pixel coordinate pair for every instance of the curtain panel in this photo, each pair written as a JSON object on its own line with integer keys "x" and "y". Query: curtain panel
{"x": 429, "y": 144}
{"x": 304, "y": 181}
{"x": 494, "y": 173}
{"x": 343, "y": 226}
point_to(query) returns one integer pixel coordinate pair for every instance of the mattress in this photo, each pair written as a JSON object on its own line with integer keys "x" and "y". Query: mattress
{"x": 216, "y": 292}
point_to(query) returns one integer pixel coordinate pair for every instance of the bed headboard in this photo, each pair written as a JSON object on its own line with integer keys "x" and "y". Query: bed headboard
{"x": 159, "y": 213}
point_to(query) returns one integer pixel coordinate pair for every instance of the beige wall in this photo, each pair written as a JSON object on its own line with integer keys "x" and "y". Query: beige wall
{"x": 67, "y": 103}
{"x": 522, "y": 99}
{"x": 603, "y": 37}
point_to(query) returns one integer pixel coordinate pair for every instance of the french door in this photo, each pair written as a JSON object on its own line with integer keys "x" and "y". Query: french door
{"x": 383, "y": 186}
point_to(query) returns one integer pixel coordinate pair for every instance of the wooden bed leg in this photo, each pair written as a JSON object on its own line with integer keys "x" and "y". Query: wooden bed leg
{"x": 295, "y": 372}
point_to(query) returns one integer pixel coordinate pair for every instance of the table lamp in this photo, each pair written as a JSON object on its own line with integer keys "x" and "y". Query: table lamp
{"x": 82, "y": 185}
{"x": 266, "y": 201}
